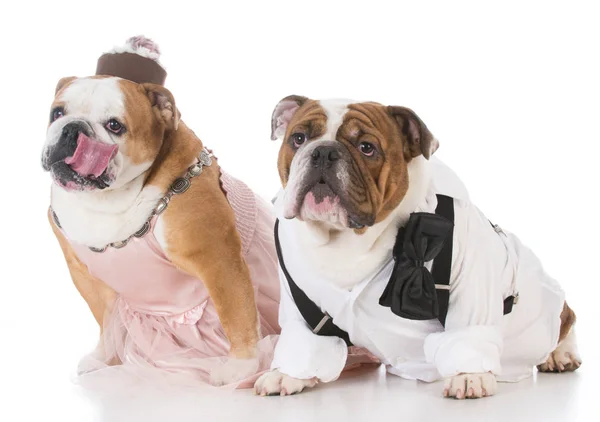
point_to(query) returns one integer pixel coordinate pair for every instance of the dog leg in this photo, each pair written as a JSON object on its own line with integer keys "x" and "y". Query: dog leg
{"x": 207, "y": 245}
{"x": 565, "y": 357}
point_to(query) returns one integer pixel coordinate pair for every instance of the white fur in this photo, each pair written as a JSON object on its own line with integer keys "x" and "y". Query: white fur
{"x": 300, "y": 166}
{"x": 102, "y": 217}
{"x": 96, "y": 218}
{"x": 336, "y": 110}
{"x": 232, "y": 370}
{"x": 346, "y": 258}
{"x": 96, "y": 99}
{"x": 142, "y": 51}
{"x": 565, "y": 357}
{"x": 274, "y": 382}
{"x": 470, "y": 386}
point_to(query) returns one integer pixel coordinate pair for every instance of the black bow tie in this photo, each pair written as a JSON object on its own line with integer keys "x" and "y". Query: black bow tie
{"x": 411, "y": 292}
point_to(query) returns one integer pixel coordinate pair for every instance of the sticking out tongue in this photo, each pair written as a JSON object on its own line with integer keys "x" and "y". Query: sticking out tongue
{"x": 91, "y": 157}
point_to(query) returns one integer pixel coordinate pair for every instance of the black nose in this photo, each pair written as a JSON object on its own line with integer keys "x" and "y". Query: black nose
{"x": 325, "y": 156}
{"x": 67, "y": 143}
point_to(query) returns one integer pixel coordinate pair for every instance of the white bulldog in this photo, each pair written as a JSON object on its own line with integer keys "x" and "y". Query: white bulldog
{"x": 360, "y": 238}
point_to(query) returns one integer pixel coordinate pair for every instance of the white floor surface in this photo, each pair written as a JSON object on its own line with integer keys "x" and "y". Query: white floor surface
{"x": 362, "y": 395}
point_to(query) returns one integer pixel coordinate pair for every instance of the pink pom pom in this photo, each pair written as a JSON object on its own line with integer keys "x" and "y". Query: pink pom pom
{"x": 140, "y": 41}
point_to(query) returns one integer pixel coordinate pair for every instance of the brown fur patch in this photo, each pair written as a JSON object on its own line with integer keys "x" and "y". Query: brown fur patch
{"x": 145, "y": 128}
{"x": 567, "y": 321}
{"x": 387, "y": 170}
{"x": 309, "y": 119}
{"x": 178, "y": 151}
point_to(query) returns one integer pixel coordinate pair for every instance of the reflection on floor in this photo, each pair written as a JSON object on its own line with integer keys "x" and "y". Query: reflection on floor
{"x": 364, "y": 395}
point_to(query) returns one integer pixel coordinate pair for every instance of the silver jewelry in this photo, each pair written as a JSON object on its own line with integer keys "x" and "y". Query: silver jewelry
{"x": 180, "y": 185}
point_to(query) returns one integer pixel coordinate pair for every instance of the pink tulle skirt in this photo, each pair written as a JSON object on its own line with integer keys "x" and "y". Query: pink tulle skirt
{"x": 190, "y": 349}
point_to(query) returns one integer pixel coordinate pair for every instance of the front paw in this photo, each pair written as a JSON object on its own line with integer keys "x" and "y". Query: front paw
{"x": 470, "y": 386}
{"x": 274, "y": 383}
{"x": 233, "y": 370}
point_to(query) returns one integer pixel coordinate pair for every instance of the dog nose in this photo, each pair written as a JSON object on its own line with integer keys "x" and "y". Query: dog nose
{"x": 67, "y": 143}
{"x": 70, "y": 133}
{"x": 325, "y": 155}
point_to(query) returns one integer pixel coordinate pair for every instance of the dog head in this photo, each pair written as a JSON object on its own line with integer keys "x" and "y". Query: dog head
{"x": 104, "y": 132}
{"x": 346, "y": 163}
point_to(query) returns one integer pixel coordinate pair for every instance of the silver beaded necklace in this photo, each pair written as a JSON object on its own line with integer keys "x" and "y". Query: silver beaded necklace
{"x": 179, "y": 186}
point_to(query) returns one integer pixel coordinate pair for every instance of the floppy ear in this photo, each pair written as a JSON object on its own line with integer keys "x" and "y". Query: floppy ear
{"x": 163, "y": 103}
{"x": 283, "y": 113}
{"x": 60, "y": 85}
{"x": 420, "y": 140}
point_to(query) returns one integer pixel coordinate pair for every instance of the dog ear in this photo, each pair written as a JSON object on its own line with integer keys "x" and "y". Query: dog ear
{"x": 420, "y": 140}
{"x": 163, "y": 103}
{"x": 61, "y": 83}
{"x": 283, "y": 113}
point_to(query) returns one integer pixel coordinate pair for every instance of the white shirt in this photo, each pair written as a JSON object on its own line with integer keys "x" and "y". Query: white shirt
{"x": 487, "y": 267}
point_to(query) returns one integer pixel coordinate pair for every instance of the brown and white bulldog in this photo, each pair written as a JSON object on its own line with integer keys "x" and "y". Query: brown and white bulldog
{"x": 174, "y": 257}
{"x": 354, "y": 177}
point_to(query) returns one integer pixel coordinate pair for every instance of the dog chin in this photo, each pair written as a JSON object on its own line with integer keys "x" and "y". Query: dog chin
{"x": 326, "y": 210}
{"x": 70, "y": 181}
{"x": 316, "y": 204}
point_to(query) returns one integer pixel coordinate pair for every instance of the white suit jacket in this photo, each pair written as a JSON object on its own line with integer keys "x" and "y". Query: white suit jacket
{"x": 487, "y": 267}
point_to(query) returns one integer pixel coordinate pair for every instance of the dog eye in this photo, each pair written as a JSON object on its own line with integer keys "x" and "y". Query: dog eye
{"x": 114, "y": 126}
{"x": 299, "y": 139}
{"x": 57, "y": 113}
{"x": 367, "y": 148}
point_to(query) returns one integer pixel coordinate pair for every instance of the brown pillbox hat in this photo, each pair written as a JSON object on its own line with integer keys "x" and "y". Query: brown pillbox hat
{"x": 137, "y": 61}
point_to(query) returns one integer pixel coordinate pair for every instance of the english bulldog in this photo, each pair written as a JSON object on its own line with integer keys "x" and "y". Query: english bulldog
{"x": 174, "y": 257}
{"x": 381, "y": 248}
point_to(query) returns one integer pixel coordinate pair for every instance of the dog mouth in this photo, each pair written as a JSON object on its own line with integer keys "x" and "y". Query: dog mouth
{"x": 91, "y": 158}
{"x": 67, "y": 178}
{"x": 84, "y": 166}
{"x": 321, "y": 202}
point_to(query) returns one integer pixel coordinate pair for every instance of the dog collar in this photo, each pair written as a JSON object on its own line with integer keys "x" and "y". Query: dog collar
{"x": 179, "y": 186}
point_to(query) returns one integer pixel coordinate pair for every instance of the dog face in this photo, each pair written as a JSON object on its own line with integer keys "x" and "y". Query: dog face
{"x": 104, "y": 132}
{"x": 345, "y": 163}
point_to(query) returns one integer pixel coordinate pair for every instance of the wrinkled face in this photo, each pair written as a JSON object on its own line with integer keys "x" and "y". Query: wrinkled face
{"x": 346, "y": 163}
{"x": 104, "y": 132}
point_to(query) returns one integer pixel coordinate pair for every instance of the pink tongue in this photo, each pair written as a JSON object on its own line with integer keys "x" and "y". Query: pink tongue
{"x": 91, "y": 157}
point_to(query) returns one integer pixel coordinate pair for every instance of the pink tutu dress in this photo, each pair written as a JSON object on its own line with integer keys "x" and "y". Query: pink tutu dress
{"x": 164, "y": 324}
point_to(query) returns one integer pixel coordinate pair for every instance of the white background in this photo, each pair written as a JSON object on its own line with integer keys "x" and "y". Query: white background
{"x": 511, "y": 90}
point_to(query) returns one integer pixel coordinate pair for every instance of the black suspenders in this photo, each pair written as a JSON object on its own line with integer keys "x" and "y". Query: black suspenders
{"x": 442, "y": 264}
{"x": 320, "y": 322}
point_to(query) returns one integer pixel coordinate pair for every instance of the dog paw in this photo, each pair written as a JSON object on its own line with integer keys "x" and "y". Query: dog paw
{"x": 564, "y": 358}
{"x": 470, "y": 386}
{"x": 274, "y": 383}
{"x": 233, "y": 370}
{"x": 561, "y": 361}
